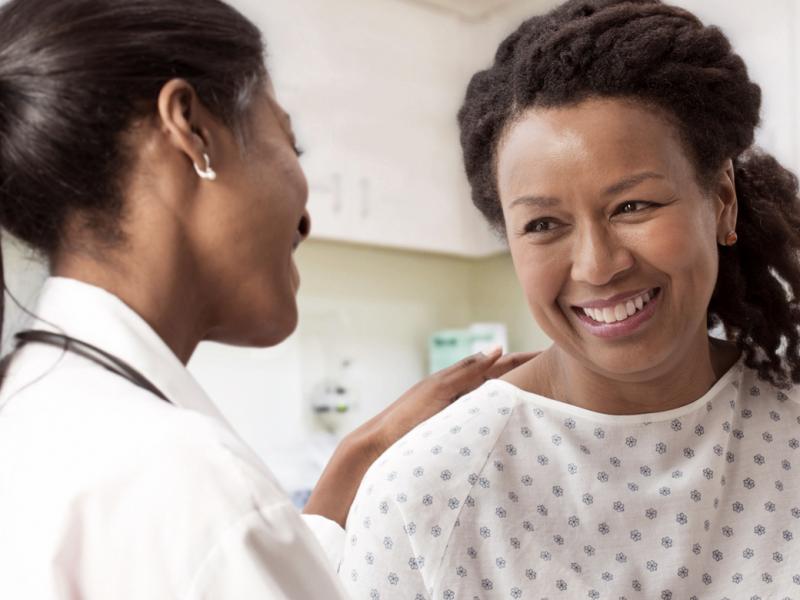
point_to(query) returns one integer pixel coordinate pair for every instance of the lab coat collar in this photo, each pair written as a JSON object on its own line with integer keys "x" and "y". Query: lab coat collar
{"x": 95, "y": 316}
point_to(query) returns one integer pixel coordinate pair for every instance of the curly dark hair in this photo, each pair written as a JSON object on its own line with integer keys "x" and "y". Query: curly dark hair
{"x": 665, "y": 57}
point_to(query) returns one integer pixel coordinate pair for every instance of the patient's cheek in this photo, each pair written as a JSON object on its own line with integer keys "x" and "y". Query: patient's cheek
{"x": 682, "y": 248}
{"x": 542, "y": 281}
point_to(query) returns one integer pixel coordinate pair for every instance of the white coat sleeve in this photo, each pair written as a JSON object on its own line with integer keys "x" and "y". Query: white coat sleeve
{"x": 265, "y": 555}
{"x": 330, "y": 537}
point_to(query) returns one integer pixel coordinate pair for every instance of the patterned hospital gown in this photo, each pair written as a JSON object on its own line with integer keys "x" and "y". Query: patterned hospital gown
{"x": 507, "y": 494}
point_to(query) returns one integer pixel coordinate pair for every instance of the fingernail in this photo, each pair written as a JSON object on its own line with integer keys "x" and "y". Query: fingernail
{"x": 496, "y": 349}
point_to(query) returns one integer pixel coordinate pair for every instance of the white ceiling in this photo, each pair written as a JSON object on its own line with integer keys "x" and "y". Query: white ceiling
{"x": 468, "y": 9}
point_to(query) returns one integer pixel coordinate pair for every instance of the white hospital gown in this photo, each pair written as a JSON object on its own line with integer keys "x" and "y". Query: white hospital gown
{"x": 507, "y": 494}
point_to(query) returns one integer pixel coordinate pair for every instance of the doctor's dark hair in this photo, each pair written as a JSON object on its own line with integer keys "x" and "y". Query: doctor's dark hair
{"x": 76, "y": 74}
{"x": 663, "y": 57}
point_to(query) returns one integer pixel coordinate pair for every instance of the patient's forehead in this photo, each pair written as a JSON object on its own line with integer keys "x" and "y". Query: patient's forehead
{"x": 550, "y": 151}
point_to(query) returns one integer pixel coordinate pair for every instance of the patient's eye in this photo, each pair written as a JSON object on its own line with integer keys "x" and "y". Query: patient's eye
{"x": 541, "y": 225}
{"x": 632, "y": 206}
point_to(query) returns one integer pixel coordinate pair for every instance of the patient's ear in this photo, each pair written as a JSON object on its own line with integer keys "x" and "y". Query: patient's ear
{"x": 726, "y": 202}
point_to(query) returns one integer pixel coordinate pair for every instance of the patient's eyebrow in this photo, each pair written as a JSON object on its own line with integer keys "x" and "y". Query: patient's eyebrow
{"x": 629, "y": 182}
{"x": 540, "y": 201}
{"x": 617, "y": 188}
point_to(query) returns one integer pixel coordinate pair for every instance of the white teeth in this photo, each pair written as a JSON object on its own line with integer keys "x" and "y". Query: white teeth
{"x": 620, "y": 312}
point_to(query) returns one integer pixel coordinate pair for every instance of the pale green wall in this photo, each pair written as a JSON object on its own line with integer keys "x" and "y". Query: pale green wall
{"x": 412, "y": 294}
{"x": 495, "y": 295}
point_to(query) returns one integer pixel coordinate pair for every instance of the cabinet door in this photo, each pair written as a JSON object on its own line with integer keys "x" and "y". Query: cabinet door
{"x": 373, "y": 89}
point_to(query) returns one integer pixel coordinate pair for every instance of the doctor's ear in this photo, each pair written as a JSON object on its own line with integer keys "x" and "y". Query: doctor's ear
{"x": 187, "y": 124}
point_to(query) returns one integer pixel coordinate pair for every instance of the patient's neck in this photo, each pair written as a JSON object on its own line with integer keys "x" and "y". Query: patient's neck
{"x": 559, "y": 375}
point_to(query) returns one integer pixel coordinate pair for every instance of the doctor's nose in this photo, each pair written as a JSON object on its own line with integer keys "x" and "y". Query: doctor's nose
{"x": 598, "y": 257}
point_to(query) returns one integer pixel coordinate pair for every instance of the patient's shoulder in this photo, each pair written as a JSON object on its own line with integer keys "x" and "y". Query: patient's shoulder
{"x": 416, "y": 490}
{"x": 472, "y": 421}
{"x": 440, "y": 459}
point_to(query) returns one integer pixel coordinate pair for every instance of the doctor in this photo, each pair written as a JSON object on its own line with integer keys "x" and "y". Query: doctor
{"x": 142, "y": 151}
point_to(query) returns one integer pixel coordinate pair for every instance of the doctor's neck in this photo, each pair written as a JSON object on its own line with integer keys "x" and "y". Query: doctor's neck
{"x": 151, "y": 269}
{"x": 159, "y": 291}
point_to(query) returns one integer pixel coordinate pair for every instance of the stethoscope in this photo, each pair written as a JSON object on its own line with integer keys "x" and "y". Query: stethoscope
{"x": 93, "y": 353}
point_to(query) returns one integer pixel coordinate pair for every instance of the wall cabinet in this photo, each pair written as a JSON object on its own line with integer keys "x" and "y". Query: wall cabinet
{"x": 373, "y": 89}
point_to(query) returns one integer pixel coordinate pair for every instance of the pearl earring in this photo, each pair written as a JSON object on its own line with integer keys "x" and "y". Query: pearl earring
{"x": 731, "y": 238}
{"x": 207, "y": 173}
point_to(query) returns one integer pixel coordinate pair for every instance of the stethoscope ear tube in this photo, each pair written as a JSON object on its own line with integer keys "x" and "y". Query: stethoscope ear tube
{"x": 100, "y": 357}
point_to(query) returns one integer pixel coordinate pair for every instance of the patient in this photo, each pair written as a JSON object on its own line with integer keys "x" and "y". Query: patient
{"x": 637, "y": 457}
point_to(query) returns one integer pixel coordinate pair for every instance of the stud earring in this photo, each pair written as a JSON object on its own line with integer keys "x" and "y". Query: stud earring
{"x": 207, "y": 173}
{"x": 731, "y": 238}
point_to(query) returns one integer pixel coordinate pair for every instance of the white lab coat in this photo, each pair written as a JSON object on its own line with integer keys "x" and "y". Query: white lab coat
{"x": 108, "y": 492}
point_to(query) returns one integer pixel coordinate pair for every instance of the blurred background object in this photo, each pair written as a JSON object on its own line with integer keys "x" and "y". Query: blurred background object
{"x": 449, "y": 346}
{"x": 400, "y": 264}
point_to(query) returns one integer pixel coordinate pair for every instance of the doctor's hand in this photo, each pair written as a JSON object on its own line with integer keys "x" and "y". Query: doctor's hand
{"x": 338, "y": 484}
{"x": 433, "y": 394}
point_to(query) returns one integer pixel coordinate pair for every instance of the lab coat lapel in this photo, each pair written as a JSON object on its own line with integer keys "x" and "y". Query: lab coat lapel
{"x": 97, "y": 317}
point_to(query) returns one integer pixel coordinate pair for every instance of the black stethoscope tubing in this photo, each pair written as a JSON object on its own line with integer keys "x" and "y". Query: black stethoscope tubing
{"x": 93, "y": 353}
